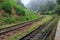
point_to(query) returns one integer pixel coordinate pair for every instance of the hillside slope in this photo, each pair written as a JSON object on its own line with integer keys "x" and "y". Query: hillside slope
{"x": 13, "y": 11}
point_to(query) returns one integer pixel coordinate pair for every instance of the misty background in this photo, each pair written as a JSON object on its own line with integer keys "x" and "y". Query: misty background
{"x": 39, "y": 4}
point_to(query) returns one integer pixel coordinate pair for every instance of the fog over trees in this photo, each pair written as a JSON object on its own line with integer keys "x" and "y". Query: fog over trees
{"x": 41, "y": 4}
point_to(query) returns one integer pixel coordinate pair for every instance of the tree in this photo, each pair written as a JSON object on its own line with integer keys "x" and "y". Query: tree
{"x": 58, "y": 1}
{"x": 35, "y": 4}
{"x": 7, "y": 5}
{"x": 51, "y": 5}
{"x": 19, "y": 7}
{"x": 57, "y": 9}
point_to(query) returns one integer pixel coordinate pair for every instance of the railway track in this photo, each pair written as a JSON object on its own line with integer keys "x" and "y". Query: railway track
{"x": 51, "y": 36}
{"x": 40, "y": 33}
{"x": 6, "y": 32}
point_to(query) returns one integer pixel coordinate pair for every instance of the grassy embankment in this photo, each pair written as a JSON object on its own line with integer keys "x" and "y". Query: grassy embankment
{"x": 4, "y": 22}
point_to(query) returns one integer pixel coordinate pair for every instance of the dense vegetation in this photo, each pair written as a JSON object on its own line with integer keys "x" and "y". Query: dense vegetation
{"x": 13, "y": 11}
{"x": 56, "y": 10}
{"x": 6, "y": 5}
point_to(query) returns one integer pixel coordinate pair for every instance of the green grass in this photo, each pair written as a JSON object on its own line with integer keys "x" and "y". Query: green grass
{"x": 21, "y": 34}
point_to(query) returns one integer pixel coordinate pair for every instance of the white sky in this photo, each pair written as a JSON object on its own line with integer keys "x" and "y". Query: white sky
{"x": 25, "y": 2}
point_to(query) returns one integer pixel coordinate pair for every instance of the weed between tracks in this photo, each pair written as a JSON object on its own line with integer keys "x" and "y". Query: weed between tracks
{"x": 51, "y": 36}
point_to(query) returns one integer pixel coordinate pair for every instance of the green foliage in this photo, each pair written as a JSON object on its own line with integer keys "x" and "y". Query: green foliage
{"x": 58, "y": 1}
{"x": 57, "y": 9}
{"x": 0, "y": 6}
{"x": 7, "y": 5}
{"x": 31, "y": 14}
{"x": 9, "y": 20}
{"x": 20, "y": 11}
{"x": 25, "y": 14}
{"x": 49, "y": 12}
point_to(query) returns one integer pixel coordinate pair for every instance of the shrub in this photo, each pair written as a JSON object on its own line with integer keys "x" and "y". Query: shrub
{"x": 7, "y": 5}
{"x": 20, "y": 11}
{"x": 58, "y": 1}
{"x": 10, "y": 20}
{"x": 57, "y": 9}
